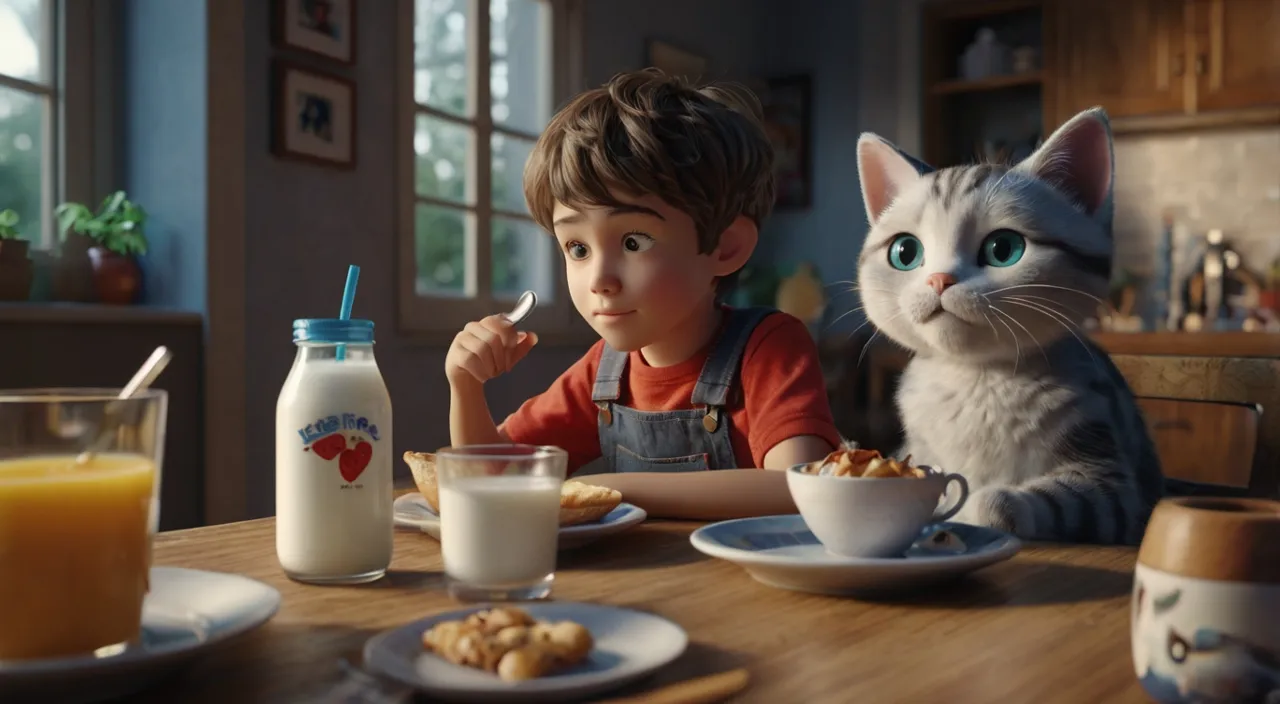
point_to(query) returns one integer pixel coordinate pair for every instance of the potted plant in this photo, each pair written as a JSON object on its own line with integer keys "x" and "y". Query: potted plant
{"x": 15, "y": 267}
{"x": 116, "y": 231}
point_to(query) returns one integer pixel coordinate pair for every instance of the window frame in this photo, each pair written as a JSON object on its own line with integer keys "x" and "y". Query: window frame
{"x": 437, "y": 319}
{"x": 81, "y": 118}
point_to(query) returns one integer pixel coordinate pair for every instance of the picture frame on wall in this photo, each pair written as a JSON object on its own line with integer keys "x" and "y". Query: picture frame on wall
{"x": 313, "y": 116}
{"x": 788, "y": 121}
{"x": 674, "y": 61}
{"x": 324, "y": 28}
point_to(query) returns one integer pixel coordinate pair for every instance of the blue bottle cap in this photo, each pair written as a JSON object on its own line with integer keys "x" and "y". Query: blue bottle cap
{"x": 333, "y": 331}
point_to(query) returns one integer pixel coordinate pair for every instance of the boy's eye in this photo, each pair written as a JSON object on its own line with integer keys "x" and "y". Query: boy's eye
{"x": 576, "y": 250}
{"x": 636, "y": 242}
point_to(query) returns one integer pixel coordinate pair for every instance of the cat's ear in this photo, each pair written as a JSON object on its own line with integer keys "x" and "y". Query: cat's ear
{"x": 884, "y": 171}
{"x": 1078, "y": 160}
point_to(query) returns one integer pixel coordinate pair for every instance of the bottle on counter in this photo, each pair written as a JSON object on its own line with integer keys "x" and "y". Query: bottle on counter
{"x": 333, "y": 457}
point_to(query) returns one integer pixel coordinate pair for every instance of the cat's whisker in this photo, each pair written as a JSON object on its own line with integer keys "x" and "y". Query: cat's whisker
{"x": 1066, "y": 324}
{"x": 994, "y": 332}
{"x": 841, "y": 317}
{"x": 1027, "y": 298}
{"x": 866, "y": 346}
{"x": 1024, "y": 329}
{"x": 1017, "y": 348}
{"x": 1060, "y": 288}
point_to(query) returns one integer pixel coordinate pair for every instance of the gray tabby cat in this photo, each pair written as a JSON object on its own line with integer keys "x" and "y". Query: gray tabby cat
{"x": 985, "y": 272}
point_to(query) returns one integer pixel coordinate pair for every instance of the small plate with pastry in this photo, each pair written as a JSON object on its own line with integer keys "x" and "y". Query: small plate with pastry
{"x": 547, "y": 651}
{"x": 587, "y": 512}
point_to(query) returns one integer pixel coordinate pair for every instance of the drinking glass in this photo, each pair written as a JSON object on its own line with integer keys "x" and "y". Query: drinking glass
{"x": 75, "y": 538}
{"x": 500, "y": 519}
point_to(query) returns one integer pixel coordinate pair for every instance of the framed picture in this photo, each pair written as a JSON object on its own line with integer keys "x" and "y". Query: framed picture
{"x": 788, "y": 115}
{"x": 313, "y": 116}
{"x": 322, "y": 27}
{"x": 675, "y": 61}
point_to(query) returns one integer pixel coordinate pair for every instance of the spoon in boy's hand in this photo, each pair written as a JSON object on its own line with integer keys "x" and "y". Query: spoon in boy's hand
{"x": 528, "y": 301}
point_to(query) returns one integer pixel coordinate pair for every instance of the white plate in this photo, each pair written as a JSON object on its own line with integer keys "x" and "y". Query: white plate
{"x": 780, "y": 551}
{"x": 412, "y": 511}
{"x": 628, "y": 645}
{"x": 186, "y": 612}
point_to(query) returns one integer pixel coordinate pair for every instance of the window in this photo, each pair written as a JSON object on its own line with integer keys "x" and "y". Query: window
{"x": 28, "y": 124}
{"x": 482, "y": 81}
{"x": 45, "y": 90}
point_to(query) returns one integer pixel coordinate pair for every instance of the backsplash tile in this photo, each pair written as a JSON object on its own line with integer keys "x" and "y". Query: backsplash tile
{"x": 1227, "y": 179}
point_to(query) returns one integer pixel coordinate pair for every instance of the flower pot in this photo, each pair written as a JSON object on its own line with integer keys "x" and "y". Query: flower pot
{"x": 1206, "y": 601}
{"x": 117, "y": 278}
{"x": 15, "y": 270}
{"x": 73, "y": 272}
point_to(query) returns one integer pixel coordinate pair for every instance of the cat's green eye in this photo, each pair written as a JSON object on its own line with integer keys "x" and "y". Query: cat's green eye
{"x": 1002, "y": 248}
{"x": 906, "y": 252}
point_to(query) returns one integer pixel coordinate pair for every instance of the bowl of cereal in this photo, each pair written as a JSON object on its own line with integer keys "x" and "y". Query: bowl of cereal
{"x": 859, "y": 503}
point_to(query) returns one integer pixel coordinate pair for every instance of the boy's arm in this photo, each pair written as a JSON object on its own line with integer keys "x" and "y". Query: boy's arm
{"x": 786, "y": 396}
{"x": 470, "y": 421}
{"x": 702, "y": 496}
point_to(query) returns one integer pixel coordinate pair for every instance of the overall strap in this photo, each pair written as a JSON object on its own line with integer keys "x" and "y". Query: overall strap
{"x": 608, "y": 383}
{"x": 718, "y": 374}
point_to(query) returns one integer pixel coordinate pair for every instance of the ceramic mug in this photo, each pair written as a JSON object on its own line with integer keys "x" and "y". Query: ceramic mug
{"x": 871, "y": 516}
{"x": 1205, "y": 613}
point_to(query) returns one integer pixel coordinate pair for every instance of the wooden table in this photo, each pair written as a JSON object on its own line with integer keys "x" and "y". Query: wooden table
{"x": 1051, "y": 625}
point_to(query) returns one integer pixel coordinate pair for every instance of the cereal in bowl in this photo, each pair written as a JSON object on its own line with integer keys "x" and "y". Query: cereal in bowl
{"x": 870, "y": 464}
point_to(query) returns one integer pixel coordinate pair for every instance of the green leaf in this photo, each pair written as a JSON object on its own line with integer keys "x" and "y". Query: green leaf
{"x": 8, "y": 218}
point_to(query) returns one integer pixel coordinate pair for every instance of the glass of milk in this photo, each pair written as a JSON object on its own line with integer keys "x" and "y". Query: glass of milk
{"x": 500, "y": 519}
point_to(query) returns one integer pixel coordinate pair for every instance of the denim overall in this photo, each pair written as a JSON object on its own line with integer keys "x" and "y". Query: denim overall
{"x": 675, "y": 441}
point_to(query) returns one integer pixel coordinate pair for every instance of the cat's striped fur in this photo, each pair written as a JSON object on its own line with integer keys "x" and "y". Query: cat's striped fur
{"x": 1003, "y": 387}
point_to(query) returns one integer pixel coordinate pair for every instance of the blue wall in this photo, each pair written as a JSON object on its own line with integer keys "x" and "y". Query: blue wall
{"x": 165, "y": 140}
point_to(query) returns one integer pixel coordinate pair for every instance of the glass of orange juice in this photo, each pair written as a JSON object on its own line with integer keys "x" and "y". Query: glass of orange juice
{"x": 75, "y": 537}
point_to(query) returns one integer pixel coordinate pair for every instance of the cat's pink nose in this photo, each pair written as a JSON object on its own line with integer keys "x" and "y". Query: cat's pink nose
{"x": 939, "y": 282}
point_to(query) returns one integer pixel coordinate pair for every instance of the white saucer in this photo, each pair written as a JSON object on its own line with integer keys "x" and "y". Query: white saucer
{"x": 781, "y": 552}
{"x": 412, "y": 511}
{"x": 628, "y": 645}
{"x": 186, "y": 612}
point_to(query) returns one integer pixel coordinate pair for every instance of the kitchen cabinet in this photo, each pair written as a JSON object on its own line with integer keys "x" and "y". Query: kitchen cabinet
{"x": 1157, "y": 64}
{"x": 1126, "y": 57}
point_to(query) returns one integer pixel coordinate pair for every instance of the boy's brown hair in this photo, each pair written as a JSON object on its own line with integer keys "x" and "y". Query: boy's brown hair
{"x": 703, "y": 151}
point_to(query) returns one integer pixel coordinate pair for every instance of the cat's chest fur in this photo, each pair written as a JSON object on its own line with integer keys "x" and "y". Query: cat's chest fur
{"x": 985, "y": 423}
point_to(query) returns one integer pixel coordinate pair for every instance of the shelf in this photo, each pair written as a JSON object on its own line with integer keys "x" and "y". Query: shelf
{"x": 987, "y": 84}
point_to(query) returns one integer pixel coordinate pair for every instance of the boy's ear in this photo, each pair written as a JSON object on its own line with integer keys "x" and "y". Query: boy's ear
{"x": 737, "y": 243}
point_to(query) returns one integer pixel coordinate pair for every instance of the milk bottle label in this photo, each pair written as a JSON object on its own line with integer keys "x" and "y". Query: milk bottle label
{"x": 346, "y": 437}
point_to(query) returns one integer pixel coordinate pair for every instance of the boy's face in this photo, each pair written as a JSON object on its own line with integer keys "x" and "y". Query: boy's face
{"x": 634, "y": 271}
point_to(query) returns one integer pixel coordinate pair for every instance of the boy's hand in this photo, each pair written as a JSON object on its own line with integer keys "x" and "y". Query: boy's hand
{"x": 486, "y": 348}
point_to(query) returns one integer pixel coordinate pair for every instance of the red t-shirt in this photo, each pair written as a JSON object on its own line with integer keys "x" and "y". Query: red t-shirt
{"x": 783, "y": 396}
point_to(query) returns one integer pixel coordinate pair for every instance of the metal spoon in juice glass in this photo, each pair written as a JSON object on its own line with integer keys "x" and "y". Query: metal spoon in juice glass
{"x": 143, "y": 378}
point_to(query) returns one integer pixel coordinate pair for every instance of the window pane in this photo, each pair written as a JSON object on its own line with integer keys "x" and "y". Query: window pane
{"x": 440, "y": 55}
{"x": 443, "y": 151}
{"x": 509, "y": 155}
{"x": 520, "y": 75}
{"x": 441, "y": 242}
{"x": 524, "y": 259}
{"x": 23, "y": 53}
{"x": 22, "y": 159}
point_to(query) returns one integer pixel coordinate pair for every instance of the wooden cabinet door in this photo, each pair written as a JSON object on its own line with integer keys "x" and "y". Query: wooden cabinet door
{"x": 1126, "y": 56}
{"x": 1237, "y": 60}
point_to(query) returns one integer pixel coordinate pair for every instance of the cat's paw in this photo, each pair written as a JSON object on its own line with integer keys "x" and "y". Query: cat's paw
{"x": 994, "y": 507}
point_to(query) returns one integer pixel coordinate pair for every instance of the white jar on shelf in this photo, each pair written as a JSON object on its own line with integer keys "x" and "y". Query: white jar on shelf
{"x": 985, "y": 57}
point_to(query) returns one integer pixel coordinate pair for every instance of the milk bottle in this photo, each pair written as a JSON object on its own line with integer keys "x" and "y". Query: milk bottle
{"x": 333, "y": 457}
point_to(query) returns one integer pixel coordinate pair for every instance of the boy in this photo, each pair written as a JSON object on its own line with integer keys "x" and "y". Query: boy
{"x": 655, "y": 193}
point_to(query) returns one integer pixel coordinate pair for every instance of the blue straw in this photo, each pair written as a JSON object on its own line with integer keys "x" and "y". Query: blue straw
{"x": 348, "y": 298}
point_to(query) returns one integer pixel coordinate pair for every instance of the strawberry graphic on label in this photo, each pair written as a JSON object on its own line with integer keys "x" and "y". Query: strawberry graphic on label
{"x": 352, "y": 462}
{"x": 330, "y": 446}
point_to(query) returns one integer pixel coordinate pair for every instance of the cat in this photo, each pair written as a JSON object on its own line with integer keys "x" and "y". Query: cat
{"x": 985, "y": 272}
